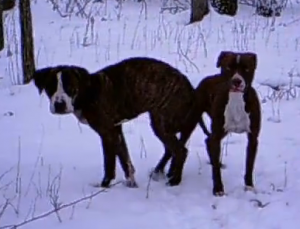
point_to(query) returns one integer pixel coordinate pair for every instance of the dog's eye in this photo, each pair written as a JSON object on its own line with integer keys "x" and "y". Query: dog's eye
{"x": 246, "y": 69}
{"x": 230, "y": 67}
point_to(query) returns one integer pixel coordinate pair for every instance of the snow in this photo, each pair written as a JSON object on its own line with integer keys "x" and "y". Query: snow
{"x": 46, "y": 158}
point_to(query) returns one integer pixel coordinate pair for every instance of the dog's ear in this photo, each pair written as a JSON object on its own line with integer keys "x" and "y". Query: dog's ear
{"x": 222, "y": 58}
{"x": 81, "y": 73}
{"x": 101, "y": 81}
{"x": 92, "y": 86}
{"x": 252, "y": 60}
{"x": 41, "y": 77}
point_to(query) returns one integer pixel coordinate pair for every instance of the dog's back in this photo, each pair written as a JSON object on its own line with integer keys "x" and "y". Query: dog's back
{"x": 145, "y": 84}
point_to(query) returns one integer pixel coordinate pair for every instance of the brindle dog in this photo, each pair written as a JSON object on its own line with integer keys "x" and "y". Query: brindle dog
{"x": 121, "y": 92}
{"x": 205, "y": 93}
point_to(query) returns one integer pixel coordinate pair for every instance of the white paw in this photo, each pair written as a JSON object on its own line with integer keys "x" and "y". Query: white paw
{"x": 157, "y": 176}
{"x": 130, "y": 183}
{"x": 250, "y": 188}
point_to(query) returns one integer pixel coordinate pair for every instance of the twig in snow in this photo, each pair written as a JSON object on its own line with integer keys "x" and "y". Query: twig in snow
{"x": 259, "y": 204}
{"x": 62, "y": 206}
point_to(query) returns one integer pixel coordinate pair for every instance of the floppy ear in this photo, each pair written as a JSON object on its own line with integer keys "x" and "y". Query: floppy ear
{"x": 100, "y": 83}
{"x": 252, "y": 60}
{"x": 41, "y": 77}
{"x": 221, "y": 58}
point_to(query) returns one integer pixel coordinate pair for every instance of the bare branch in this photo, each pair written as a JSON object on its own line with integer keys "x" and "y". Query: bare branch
{"x": 62, "y": 206}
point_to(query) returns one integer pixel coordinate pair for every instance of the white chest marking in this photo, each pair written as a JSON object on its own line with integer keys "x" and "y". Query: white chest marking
{"x": 236, "y": 118}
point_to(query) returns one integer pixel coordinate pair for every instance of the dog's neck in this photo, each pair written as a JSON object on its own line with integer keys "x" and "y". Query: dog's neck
{"x": 236, "y": 118}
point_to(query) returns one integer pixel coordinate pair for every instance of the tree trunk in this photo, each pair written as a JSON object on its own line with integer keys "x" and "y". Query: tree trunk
{"x": 199, "y": 9}
{"x": 270, "y": 8}
{"x": 1, "y": 29}
{"x": 4, "y": 6}
{"x": 27, "y": 45}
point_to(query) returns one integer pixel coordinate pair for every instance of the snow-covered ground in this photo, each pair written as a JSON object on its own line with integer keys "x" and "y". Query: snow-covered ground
{"x": 48, "y": 161}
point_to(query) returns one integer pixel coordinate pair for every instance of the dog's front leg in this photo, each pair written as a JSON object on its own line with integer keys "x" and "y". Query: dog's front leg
{"x": 109, "y": 156}
{"x": 250, "y": 160}
{"x": 214, "y": 150}
{"x": 124, "y": 158}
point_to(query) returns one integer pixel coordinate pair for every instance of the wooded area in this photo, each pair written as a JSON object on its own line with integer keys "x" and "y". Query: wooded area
{"x": 199, "y": 9}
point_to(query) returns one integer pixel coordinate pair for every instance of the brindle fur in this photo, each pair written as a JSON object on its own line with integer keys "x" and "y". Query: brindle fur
{"x": 205, "y": 93}
{"x": 123, "y": 91}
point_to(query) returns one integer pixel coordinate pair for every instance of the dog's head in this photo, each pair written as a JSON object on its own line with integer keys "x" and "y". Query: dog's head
{"x": 62, "y": 85}
{"x": 238, "y": 68}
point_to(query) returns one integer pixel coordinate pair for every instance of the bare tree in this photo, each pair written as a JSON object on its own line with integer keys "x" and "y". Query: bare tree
{"x": 27, "y": 44}
{"x": 4, "y": 6}
{"x": 199, "y": 9}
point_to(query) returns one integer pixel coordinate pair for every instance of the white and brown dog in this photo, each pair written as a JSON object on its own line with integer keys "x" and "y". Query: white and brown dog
{"x": 235, "y": 108}
{"x": 123, "y": 91}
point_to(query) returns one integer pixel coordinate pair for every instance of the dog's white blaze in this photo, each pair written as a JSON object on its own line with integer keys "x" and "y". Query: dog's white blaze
{"x": 238, "y": 58}
{"x": 243, "y": 83}
{"x": 60, "y": 95}
{"x": 236, "y": 118}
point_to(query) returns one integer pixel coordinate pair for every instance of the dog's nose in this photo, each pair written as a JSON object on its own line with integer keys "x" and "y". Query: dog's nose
{"x": 236, "y": 82}
{"x": 60, "y": 107}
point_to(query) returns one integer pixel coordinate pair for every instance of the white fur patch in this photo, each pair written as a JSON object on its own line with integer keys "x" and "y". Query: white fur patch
{"x": 236, "y": 118}
{"x": 59, "y": 96}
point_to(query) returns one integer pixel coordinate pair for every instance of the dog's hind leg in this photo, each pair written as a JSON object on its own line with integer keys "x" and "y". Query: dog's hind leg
{"x": 158, "y": 171}
{"x": 160, "y": 167}
{"x": 185, "y": 134}
{"x": 171, "y": 144}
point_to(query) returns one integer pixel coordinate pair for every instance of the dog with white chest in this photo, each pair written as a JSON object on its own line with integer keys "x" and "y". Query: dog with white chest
{"x": 235, "y": 108}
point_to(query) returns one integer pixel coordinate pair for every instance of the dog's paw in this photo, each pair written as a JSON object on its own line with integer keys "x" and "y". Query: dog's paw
{"x": 130, "y": 183}
{"x": 218, "y": 190}
{"x": 174, "y": 181}
{"x": 219, "y": 194}
{"x": 250, "y": 188}
{"x": 157, "y": 176}
{"x": 96, "y": 185}
{"x": 105, "y": 183}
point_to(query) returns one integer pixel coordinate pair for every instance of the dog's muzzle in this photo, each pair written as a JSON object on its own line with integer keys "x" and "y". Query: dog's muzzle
{"x": 60, "y": 107}
{"x": 237, "y": 84}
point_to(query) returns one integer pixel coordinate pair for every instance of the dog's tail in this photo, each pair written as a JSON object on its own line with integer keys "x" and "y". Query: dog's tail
{"x": 203, "y": 126}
